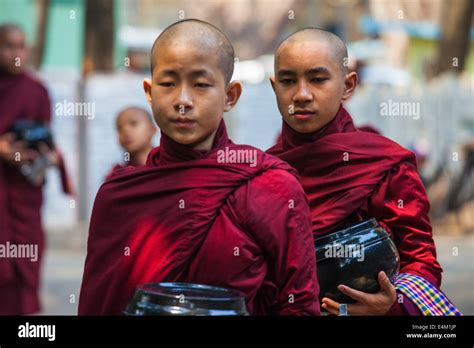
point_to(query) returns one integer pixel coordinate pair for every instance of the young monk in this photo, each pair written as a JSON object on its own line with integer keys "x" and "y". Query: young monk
{"x": 135, "y": 130}
{"x": 24, "y": 98}
{"x": 204, "y": 210}
{"x": 350, "y": 175}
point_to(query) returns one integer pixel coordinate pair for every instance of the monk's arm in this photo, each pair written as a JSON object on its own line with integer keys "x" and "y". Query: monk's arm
{"x": 96, "y": 279}
{"x": 405, "y": 214}
{"x": 279, "y": 221}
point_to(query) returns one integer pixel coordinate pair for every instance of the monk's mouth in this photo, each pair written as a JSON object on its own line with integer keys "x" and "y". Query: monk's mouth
{"x": 183, "y": 122}
{"x": 303, "y": 116}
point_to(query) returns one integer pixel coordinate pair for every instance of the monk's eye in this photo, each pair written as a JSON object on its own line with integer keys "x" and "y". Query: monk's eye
{"x": 202, "y": 85}
{"x": 166, "y": 84}
{"x": 287, "y": 82}
{"x": 319, "y": 79}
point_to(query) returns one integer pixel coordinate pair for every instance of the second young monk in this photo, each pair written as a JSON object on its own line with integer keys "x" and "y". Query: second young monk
{"x": 135, "y": 130}
{"x": 204, "y": 210}
{"x": 350, "y": 175}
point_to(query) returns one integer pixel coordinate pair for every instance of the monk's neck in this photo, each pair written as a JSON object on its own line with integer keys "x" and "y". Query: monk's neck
{"x": 139, "y": 158}
{"x": 206, "y": 144}
{"x": 340, "y": 123}
{"x": 172, "y": 151}
{"x": 8, "y": 75}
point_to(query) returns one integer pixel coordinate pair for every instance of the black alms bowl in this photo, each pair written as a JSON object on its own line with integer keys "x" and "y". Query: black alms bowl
{"x": 354, "y": 257}
{"x": 185, "y": 299}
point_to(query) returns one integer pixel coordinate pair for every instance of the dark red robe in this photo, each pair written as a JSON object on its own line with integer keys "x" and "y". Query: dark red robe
{"x": 21, "y": 97}
{"x": 350, "y": 175}
{"x": 188, "y": 217}
{"x": 116, "y": 167}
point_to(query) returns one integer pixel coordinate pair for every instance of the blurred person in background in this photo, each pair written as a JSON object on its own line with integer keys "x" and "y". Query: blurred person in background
{"x": 26, "y": 150}
{"x": 135, "y": 130}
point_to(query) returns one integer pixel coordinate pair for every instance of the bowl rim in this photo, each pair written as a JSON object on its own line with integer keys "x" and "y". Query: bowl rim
{"x": 359, "y": 227}
{"x": 351, "y": 231}
{"x": 159, "y": 289}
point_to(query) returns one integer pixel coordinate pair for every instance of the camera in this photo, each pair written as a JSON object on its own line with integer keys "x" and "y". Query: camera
{"x": 33, "y": 133}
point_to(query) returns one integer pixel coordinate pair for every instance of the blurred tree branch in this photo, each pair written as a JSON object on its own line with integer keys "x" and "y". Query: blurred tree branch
{"x": 99, "y": 36}
{"x": 41, "y": 27}
{"x": 454, "y": 44}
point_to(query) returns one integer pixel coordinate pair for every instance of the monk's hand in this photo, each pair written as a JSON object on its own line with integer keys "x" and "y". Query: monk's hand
{"x": 51, "y": 154}
{"x": 5, "y": 144}
{"x": 15, "y": 152}
{"x": 367, "y": 304}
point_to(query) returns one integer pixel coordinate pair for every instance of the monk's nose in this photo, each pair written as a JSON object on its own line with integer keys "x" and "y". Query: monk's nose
{"x": 303, "y": 94}
{"x": 183, "y": 102}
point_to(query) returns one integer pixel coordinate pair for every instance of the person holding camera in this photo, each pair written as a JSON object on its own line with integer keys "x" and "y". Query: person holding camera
{"x": 26, "y": 151}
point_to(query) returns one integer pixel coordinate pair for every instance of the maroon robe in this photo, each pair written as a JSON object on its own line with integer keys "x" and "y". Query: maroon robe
{"x": 350, "y": 175}
{"x": 21, "y": 97}
{"x": 115, "y": 168}
{"x": 189, "y": 217}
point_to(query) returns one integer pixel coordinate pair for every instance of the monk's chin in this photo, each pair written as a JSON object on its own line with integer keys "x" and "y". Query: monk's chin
{"x": 303, "y": 127}
{"x": 192, "y": 140}
{"x": 184, "y": 140}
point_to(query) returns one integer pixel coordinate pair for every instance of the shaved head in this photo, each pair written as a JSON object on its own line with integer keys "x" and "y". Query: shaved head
{"x": 336, "y": 46}
{"x": 13, "y": 52}
{"x": 137, "y": 110}
{"x": 311, "y": 79}
{"x": 7, "y": 27}
{"x": 202, "y": 35}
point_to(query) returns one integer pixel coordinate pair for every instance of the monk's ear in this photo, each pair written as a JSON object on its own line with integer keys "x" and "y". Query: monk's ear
{"x": 28, "y": 51}
{"x": 272, "y": 81}
{"x": 153, "y": 129}
{"x": 147, "y": 88}
{"x": 350, "y": 83}
{"x": 233, "y": 92}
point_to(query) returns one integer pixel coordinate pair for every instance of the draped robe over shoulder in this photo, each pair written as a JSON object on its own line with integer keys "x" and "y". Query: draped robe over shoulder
{"x": 349, "y": 176}
{"x": 188, "y": 216}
